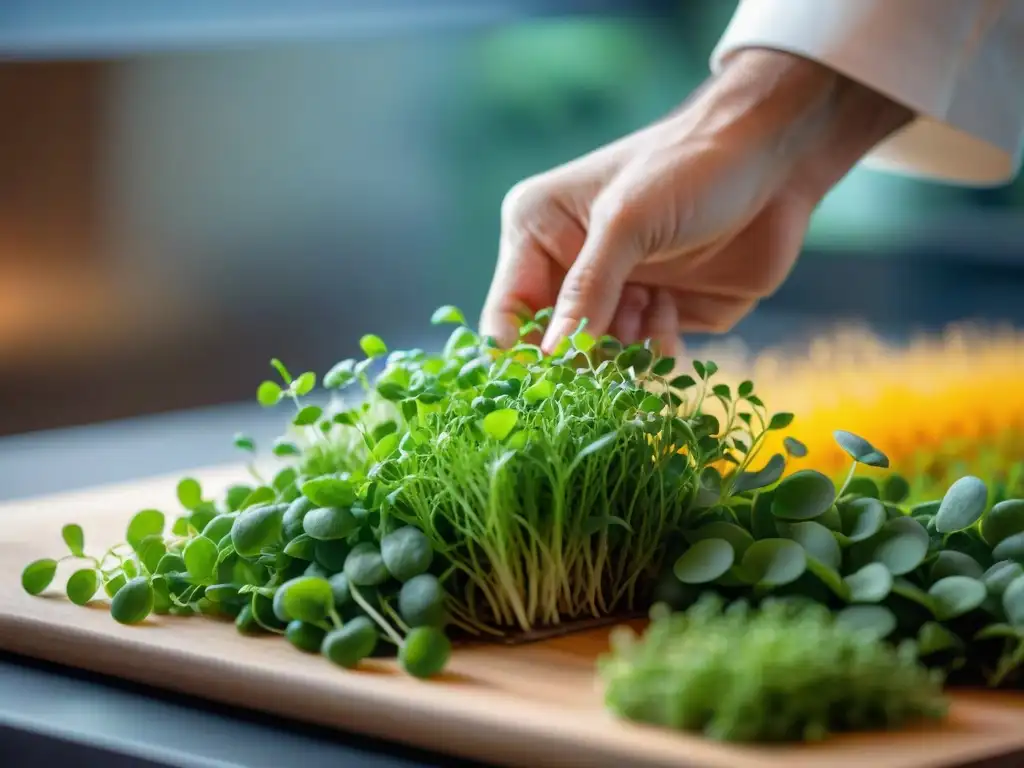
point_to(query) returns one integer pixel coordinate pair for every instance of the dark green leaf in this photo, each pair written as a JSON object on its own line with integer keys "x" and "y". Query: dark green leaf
{"x": 737, "y": 537}
{"x": 860, "y": 449}
{"x": 952, "y": 563}
{"x": 901, "y": 545}
{"x": 705, "y": 561}
{"x": 682, "y": 382}
{"x": 804, "y": 495}
{"x": 421, "y": 601}
{"x": 817, "y": 540}
{"x": 1010, "y": 548}
{"x": 285, "y": 447}
{"x": 999, "y": 576}
{"x": 862, "y": 518}
{"x": 1013, "y": 602}
{"x": 895, "y": 489}
{"x": 1002, "y": 521}
{"x": 329, "y": 523}
{"x": 774, "y": 562}
{"x": 871, "y": 584}
{"x": 956, "y": 595}
{"x": 364, "y": 566}
{"x": 863, "y": 486}
{"x": 352, "y": 643}
{"x": 769, "y": 474}
{"x": 876, "y": 621}
{"x": 794, "y": 447}
{"x": 663, "y": 366}
{"x": 257, "y": 528}
{"x": 406, "y": 553}
{"x": 935, "y": 638}
{"x": 780, "y": 421}
{"x": 244, "y": 442}
{"x": 745, "y": 389}
{"x": 308, "y": 415}
{"x": 133, "y": 601}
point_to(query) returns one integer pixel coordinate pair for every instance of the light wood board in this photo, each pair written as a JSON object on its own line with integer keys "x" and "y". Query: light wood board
{"x": 537, "y": 704}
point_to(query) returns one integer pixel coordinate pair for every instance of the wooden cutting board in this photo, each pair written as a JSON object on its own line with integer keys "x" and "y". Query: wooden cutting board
{"x": 530, "y": 705}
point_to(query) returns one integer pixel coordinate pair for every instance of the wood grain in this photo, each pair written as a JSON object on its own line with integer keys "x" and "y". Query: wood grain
{"x": 531, "y": 705}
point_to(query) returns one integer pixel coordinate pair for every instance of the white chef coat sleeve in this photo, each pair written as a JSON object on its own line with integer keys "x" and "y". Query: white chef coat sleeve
{"x": 958, "y": 64}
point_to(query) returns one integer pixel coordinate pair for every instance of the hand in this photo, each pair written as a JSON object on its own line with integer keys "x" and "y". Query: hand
{"x": 685, "y": 225}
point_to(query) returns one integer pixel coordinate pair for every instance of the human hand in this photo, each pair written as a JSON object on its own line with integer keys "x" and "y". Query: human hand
{"x": 685, "y": 225}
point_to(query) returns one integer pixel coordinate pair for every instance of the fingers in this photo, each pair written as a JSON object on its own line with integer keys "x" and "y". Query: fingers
{"x": 709, "y": 313}
{"x": 594, "y": 284}
{"x": 627, "y": 326}
{"x": 661, "y": 324}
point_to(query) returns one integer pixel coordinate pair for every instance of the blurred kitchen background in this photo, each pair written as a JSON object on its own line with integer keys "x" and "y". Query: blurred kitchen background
{"x": 188, "y": 189}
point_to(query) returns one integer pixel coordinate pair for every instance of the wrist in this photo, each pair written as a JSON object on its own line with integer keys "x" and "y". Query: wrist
{"x": 816, "y": 123}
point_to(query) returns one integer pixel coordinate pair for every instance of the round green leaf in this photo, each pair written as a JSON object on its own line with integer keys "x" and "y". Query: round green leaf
{"x": 200, "y": 557}
{"x": 962, "y": 506}
{"x": 329, "y": 523}
{"x": 895, "y": 489}
{"x": 291, "y": 522}
{"x": 425, "y": 652}
{"x": 1002, "y": 521}
{"x": 999, "y": 576}
{"x": 340, "y": 589}
{"x": 148, "y": 522}
{"x": 862, "y": 518}
{"x": 1010, "y": 548}
{"x": 901, "y": 545}
{"x": 74, "y": 538}
{"x": 863, "y": 486}
{"x": 794, "y": 447}
{"x": 364, "y": 566}
{"x": 421, "y": 601}
{"x": 803, "y": 495}
{"x": 133, "y": 602}
{"x": 82, "y": 586}
{"x": 190, "y": 493}
{"x": 817, "y": 540}
{"x": 352, "y": 643}
{"x": 38, "y": 575}
{"x": 762, "y": 521}
{"x": 330, "y": 491}
{"x": 406, "y": 553}
{"x": 956, "y": 595}
{"x": 220, "y": 526}
{"x": 767, "y": 475}
{"x": 934, "y": 638}
{"x": 373, "y": 346}
{"x": 871, "y": 584}
{"x": 705, "y": 561}
{"x": 306, "y": 598}
{"x": 1013, "y": 602}
{"x": 447, "y": 314}
{"x": 876, "y": 621}
{"x": 257, "y": 528}
{"x": 860, "y": 449}
{"x": 305, "y": 637}
{"x": 302, "y": 547}
{"x": 268, "y": 394}
{"x": 949, "y": 562}
{"x": 739, "y": 538}
{"x": 774, "y": 562}
{"x": 498, "y": 424}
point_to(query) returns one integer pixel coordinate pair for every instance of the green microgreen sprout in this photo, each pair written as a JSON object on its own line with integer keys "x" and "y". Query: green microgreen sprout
{"x": 479, "y": 493}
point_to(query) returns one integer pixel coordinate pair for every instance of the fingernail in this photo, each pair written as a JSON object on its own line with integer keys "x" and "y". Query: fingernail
{"x": 558, "y": 329}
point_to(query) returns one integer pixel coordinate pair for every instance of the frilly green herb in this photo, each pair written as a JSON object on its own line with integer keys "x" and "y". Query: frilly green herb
{"x": 785, "y": 671}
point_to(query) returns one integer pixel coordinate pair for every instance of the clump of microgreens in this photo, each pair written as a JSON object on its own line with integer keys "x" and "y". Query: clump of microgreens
{"x": 947, "y": 575}
{"x": 783, "y": 671}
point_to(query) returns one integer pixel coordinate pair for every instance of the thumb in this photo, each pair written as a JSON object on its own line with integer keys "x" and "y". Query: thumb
{"x": 594, "y": 284}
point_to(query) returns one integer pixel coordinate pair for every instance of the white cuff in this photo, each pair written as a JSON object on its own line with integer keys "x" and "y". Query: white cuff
{"x": 959, "y": 64}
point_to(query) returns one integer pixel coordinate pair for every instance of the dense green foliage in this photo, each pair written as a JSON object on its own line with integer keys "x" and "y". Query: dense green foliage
{"x": 782, "y": 672}
{"x": 501, "y": 492}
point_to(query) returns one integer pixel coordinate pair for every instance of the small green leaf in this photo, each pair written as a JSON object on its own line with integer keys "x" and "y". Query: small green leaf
{"x": 949, "y": 562}
{"x": 794, "y": 447}
{"x": 901, "y": 545}
{"x": 774, "y": 562}
{"x": 278, "y": 366}
{"x": 268, "y": 394}
{"x": 284, "y": 447}
{"x": 151, "y": 551}
{"x": 862, "y": 518}
{"x": 895, "y": 489}
{"x": 498, "y": 424}
{"x": 330, "y": 491}
{"x": 190, "y": 493}
{"x": 1010, "y": 548}
{"x": 447, "y": 315}
{"x": 308, "y": 415}
{"x": 663, "y": 366}
{"x": 256, "y": 528}
{"x": 682, "y": 382}
{"x": 738, "y": 538}
{"x": 82, "y": 586}
{"x": 876, "y": 621}
{"x": 244, "y": 442}
{"x": 863, "y": 486}
{"x": 769, "y": 474}
{"x": 871, "y": 584}
{"x": 817, "y": 541}
{"x": 200, "y": 557}
{"x": 962, "y": 506}
{"x": 1013, "y": 602}
{"x": 305, "y": 598}
{"x": 935, "y": 638}
{"x": 38, "y": 575}
{"x": 956, "y": 595}
{"x": 364, "y": 566}
{"x": 1000, "y": 576}
{"x": 406, "y": 552}
{"x": 340, "y": 375}
{"x": 330, "y": 523}
{"x": 780, "y": 421}
{"x": 745, "y": 389}
{"x": 304, "y": 384}
{"x": 74, "y": 538}
{"x": 583, "y": 341}
{"x": 804, "y": 495}
{"x": 705, "y": 561}
{"x": 373, "y": 346}
{"x": 860, "y": 449}
{"x": 1002, "y": 521}
{"x": 148, "y": 522}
